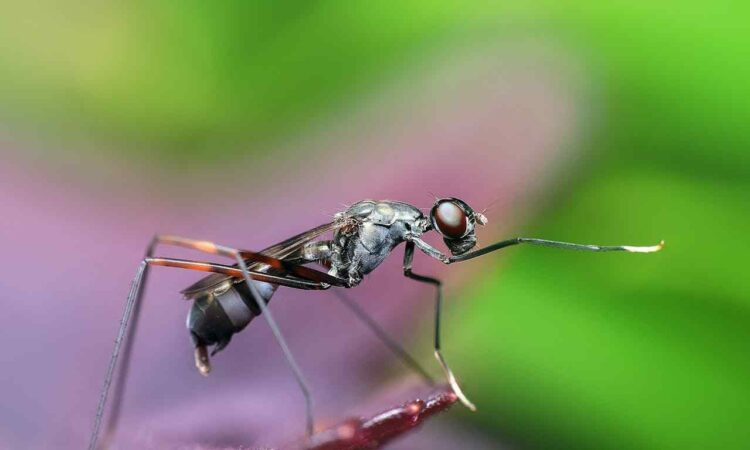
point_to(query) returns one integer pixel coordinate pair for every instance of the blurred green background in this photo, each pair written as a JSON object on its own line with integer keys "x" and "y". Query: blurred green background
{"x": 563, "y": 350}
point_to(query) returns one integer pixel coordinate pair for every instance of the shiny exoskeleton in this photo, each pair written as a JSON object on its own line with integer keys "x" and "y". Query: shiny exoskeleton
{"x": 225, "y": 302}
{"x": 366, "y": 234}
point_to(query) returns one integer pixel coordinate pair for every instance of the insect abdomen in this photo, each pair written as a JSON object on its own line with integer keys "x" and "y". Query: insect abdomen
{"x": 215, "y": 317}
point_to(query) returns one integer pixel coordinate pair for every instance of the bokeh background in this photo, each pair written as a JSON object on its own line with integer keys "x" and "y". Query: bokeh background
{"x": 246, "y": 122}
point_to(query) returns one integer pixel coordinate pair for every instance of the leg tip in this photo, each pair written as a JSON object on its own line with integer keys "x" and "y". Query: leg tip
{"x": 465, "y": 401}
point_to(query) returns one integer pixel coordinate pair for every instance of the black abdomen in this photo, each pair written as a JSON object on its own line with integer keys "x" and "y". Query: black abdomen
{"x": 215, "y": 317}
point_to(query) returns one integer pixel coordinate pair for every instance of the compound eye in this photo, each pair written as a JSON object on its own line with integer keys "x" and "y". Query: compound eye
{"x": 451, "y": 220}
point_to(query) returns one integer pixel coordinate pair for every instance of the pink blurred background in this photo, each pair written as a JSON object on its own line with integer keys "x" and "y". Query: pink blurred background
{"x": 491, "y": 128}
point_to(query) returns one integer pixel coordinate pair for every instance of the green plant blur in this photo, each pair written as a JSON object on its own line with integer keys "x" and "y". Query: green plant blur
{"x": 566, "y": 350}
{"x": 639, "y": 351}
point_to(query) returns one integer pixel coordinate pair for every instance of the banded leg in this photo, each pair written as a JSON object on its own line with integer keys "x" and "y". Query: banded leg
{"x": 408, "y": 257}
{"x": 233, "y": 271}
{"x": 239, "y": 256}
{"x": 131, "y": 314}
{"x": 254, "y": 257}
{"x": 381, "y": 334}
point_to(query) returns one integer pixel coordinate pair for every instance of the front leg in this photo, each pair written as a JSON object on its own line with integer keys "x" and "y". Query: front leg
{"x": 408, "y": 257}
{"x": 437, "y": 254}
{"x": 426, "y": 248}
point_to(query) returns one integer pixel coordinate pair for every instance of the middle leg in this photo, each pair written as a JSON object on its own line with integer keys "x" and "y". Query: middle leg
{"x": 381, "y": 334}
{"x": 408, "y": 257}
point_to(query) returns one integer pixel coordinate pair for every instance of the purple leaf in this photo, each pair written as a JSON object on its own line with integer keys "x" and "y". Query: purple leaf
{"x": 378, "y": 430}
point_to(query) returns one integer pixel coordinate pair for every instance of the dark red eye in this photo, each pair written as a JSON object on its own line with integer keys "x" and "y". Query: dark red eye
{"x": 450, "y": 220}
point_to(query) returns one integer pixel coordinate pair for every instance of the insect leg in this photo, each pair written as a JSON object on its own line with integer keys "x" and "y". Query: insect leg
{"x": 239, "y": 256}
{"x": 408, "y": 257}
{"x": 320, "y": 252}
{"x": 233, "y": 271}
{"x": 122, "y": 372}
{"x": 557, "y": 244}
{"x": 440, "y": 256}
{"x": 282, "y": 343}
{"x": 129, "y": 325}
{"x": 252, "y": 257}
{"x": 130, "y": 305}
{"x": 388, "y": 341}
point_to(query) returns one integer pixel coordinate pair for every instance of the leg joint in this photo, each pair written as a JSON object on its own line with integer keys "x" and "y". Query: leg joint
{"x": 434, "y": 281}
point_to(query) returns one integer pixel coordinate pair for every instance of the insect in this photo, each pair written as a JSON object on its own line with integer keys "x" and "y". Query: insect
{"x": 227, "y": 300}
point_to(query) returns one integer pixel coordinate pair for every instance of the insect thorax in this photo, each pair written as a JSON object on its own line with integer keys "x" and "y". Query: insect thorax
{"x": 376, "y": 228}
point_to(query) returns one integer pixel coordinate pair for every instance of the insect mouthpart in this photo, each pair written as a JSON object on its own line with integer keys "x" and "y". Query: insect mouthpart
{"x": 462, "y": 245}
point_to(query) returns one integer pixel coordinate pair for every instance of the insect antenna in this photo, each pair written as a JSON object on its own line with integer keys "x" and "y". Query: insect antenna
{"x": 492, "y": 203}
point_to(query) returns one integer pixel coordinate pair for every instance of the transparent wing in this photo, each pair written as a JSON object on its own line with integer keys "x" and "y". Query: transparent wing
{"x": 289, "y": 246}
{"x": 280, "y": 251}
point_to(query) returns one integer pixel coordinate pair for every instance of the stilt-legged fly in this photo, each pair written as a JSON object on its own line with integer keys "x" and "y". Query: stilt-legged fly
{"x": 363, "y": 236}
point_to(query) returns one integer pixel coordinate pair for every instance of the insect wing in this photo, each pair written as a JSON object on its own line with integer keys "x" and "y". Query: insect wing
{"x": 278, "y": 251}
{"x": 289, "y": 246}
